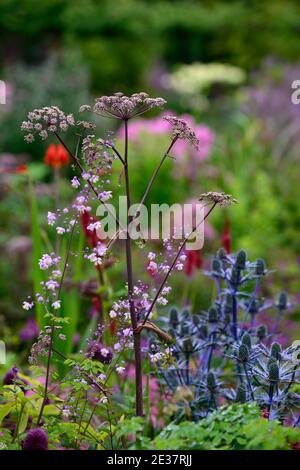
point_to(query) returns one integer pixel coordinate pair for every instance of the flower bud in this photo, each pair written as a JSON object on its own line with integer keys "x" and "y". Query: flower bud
{"x": 240, "y": 260}
{"x": 260, "y": 267}
{"x": 243, "y": 353}
{"x": 173, "y": 317}
{"x": 185, "y": 315}
{"x": 211, "y": 381}
{"x": 271, "y": 361}
{"x": 221, "y": 254}
{"x": 282, "y": 301}
{"x": 276, "y": 351}
{"x": 187, "y": 345}
{"x": 246, "y": 340}
{"x": 216, "y": 265}
{"x": 273, "y": 372}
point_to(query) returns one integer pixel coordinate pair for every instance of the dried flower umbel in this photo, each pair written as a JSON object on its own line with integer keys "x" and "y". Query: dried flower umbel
{"x": 181, "y": 130}
{"x": 48, "y": 119}
{"x": 124, "y": 107}
{"x": 218, "y": 198}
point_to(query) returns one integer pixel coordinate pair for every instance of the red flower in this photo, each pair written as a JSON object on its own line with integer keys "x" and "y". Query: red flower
{"x": 295, "y": 445}
{"x": 193, "y": 261}
{"x": 90, "y": 235}
{"x": 226, "y": 237}
{"x": 21, "y": 169}
{"x": 265, "y": 414}
{"x": 56, "y": 156}
{"x": 113, "y": 327}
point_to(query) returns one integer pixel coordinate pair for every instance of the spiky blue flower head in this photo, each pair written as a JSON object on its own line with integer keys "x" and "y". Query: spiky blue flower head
{"x": 173, "y": 317}
{"x": 36, "y": 439}
{"x": 260, "y": 267}
{"x": 282, "y": 301}
{"x": 216, "y": 265}
{"x": 246, "y": 339}
{"x": 240, "y": 261}
{"x": 273, "y": 372}
{"x": 276, "y": 351}
{"x": 243, "y": 353}
{"x": 211, "y": 381}
{"x": 221, "y": 254}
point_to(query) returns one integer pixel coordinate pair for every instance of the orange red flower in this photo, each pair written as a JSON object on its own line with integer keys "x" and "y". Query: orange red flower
{"x": 56, "y": 156}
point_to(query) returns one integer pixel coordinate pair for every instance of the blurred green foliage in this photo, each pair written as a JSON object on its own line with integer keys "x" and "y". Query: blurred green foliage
{"x": 236, "y": 427}
{"x": 121, "y": 41}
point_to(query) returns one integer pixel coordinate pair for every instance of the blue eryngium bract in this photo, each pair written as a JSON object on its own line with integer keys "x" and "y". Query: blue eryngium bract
{"x": 225, "y": 354}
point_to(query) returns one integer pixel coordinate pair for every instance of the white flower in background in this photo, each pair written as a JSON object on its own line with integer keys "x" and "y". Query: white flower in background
{"x": 27, "y": 305}
{"x": 56, "y": 304}
{"x": 60, "y": 230}
{"x": 75, "y": 182}
{"x": 51, "y": 217}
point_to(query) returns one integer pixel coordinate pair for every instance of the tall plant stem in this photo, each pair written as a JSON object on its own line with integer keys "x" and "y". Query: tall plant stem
{"x": 248, "y": 381}
{"x": 53, "y": 329}
{"x": 136, "y": 335}
{"x": 174, "y": 262}
{"x": 149, "y": 186}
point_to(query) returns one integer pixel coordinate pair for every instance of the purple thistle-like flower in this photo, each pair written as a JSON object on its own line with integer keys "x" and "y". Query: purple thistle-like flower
{"x": 36, "y": 439}
{"x": 100, "y": 353}
{"x": 124, "y": 107}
